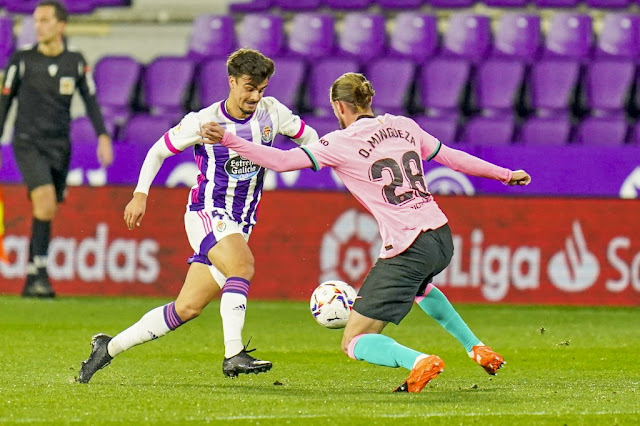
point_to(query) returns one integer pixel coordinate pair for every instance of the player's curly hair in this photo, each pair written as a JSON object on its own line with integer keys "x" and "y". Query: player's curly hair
{"x": 353, "y": 88}
{"x": 251, "y": 63}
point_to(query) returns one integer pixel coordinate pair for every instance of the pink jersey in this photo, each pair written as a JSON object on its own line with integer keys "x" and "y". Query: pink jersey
{"x": 379, "y": 159}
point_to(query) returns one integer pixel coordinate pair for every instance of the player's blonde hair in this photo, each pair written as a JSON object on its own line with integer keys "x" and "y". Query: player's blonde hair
{"x": 354, "y": 89}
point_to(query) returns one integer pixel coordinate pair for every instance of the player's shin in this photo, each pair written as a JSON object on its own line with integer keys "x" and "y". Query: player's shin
{"x": 382, "y": 350}
{"x": 437, "y": 306}
{"x": 155, "y": 323}
{"x": 233, "y": 304}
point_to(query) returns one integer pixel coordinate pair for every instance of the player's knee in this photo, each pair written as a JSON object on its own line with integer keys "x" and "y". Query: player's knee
{"x": 188, "y": 311}
{"x": 244, "y": 270}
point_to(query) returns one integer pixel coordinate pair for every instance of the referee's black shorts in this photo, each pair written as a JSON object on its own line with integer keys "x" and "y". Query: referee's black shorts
{"x": 389, "y": 290}
{"x": 43, "y": 162}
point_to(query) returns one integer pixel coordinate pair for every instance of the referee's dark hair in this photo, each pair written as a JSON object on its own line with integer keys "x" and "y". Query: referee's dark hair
{"x": 62, "y": 14}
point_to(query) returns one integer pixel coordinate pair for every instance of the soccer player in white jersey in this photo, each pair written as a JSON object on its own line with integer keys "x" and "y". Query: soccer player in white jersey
{"x": 221, "y": 212}
{"x": 379, "y": 159}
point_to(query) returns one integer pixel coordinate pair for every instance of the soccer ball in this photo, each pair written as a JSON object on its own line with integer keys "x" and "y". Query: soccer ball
{"x": 331, "y": 303}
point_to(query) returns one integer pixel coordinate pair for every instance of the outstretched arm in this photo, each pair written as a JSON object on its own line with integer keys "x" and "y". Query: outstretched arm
{"x": 265, "y": 156}
{"x": 466, "y": 163}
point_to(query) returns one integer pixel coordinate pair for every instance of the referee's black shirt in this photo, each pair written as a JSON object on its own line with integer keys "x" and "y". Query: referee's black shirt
{"x": 44, "y": 86}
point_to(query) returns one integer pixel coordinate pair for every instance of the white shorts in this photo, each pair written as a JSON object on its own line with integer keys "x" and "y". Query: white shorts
{"x": 204, "y": 230}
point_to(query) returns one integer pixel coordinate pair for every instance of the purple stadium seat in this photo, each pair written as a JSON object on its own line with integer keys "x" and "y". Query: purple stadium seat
{"x": 7, "y": 41}
{"x": 351, "y": 4}
{"x": 166, "y": 83}
{"x": 496, "y": 85}
{"x": 545, "y": 131}
{"x": 414, "y": 35}
{"x": 468, "y": 36}
{"x": 27, "y": 34}
{"x": 489, "y": 130}
{"x": 211, "y": 83}
{"x": 251, "y": 6}
{"x": 322, "y": 75}
{"x": 551, "y": 84}
{"x": 312, "y": 35}
{"x": 608, "y": 4}
{"x": 82, "y": 131}
{"x": 116, "y": 78}
{"x": 144, "y": 129}
{"x": 443, "y": 128}
{"x": 285, "y": 83}
{"x": 506, "y": 3}
{"x": 362, "y": 35}
{"x": 298, "y": 5}
{"x": 391, "y": 79}
{"x": 21, "y": 6}
{"x": 518, "y": 36}
{"x": 619, "y": 36}
{"x": 602, "y": 131}
{"x": 211, "y": 36}
{"x": 608, "y": 83}
{"x": 441, "y": 83}
{"x": 634, "y": 138}
{"x": 264, "y": 32}
{"x": 570, "y": 35}
{"x": 556, "y": 3}
{"x": 400, "y": 4}
{"x": 323, "y": 125}
{"x": 80, "y": 7}
{"x": 113, "y": 3}
{"x": 450, "y": 3}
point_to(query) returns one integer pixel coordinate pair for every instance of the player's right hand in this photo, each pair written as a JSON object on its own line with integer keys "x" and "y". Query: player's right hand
{"x": 519, "y": 177}
{"x": 134, "y": 212}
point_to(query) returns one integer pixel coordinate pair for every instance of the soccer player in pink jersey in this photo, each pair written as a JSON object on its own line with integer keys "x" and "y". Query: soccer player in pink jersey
{"x": 379, "y": 159}
{"x": 220, "y": 214}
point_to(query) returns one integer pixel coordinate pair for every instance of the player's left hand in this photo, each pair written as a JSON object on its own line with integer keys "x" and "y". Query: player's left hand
{"x": 519, "y": 177}
{"x": 105, "y": 150}
{"x": 211, "y": 133}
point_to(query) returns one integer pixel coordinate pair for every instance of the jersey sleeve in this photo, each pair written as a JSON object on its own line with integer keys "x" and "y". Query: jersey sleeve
{"x": 324, "y": 153}
{"x": 429, "y": 145}
{"x": 12, "y": 77}
{"x": 87, "y": 88}
{"x": 293, "y": 126}
{"x": 183, "y": 135}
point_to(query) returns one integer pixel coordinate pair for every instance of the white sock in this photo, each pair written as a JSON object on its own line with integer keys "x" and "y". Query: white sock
{"x": 233, "y": 305}
{"x": 152, "y": 325}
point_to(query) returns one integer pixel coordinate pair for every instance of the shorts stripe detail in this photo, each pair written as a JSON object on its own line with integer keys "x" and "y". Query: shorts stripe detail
{"x": 236, "y": 285}
{"x": 169, "y": 145}
{"x": 352, "y": 346}
{"x": 171, "y": 317}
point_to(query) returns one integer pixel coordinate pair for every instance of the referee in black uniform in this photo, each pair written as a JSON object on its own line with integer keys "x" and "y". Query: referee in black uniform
{"x": 44, "y": 79}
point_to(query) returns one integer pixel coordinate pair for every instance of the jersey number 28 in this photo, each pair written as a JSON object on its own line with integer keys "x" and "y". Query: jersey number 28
{"x": 411, "y": 171}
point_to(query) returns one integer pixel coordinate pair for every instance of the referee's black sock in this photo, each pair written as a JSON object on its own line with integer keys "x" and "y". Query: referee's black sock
{"x": 40, "y": 237}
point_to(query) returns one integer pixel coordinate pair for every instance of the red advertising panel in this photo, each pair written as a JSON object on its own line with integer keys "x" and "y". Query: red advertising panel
{"x": 509, "y": 250}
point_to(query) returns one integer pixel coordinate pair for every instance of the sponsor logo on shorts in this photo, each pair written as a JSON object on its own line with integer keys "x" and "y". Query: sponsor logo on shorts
{"x": 240, "y": 168}
{"x": 221, "y": 226}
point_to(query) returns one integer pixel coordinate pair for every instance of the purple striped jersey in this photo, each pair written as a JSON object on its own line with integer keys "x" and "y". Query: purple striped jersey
{"x": 226, "y": 180}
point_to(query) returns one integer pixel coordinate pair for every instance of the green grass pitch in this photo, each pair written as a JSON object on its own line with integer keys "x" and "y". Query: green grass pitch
{"x": 584, "y": 368}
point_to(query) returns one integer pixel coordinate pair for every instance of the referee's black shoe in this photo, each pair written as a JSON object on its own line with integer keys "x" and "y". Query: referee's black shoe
{"x": 38, "y": 286}
{"x": 98, "y": 359}
{"x": 243, "y": 363}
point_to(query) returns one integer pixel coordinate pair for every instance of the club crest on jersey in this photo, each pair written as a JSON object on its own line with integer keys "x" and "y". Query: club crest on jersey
{"x": 267, "y": 134}
{"x": 240, "y": 168}
{"x": 221, "y": 226}
{"x": 53, "y": 70}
